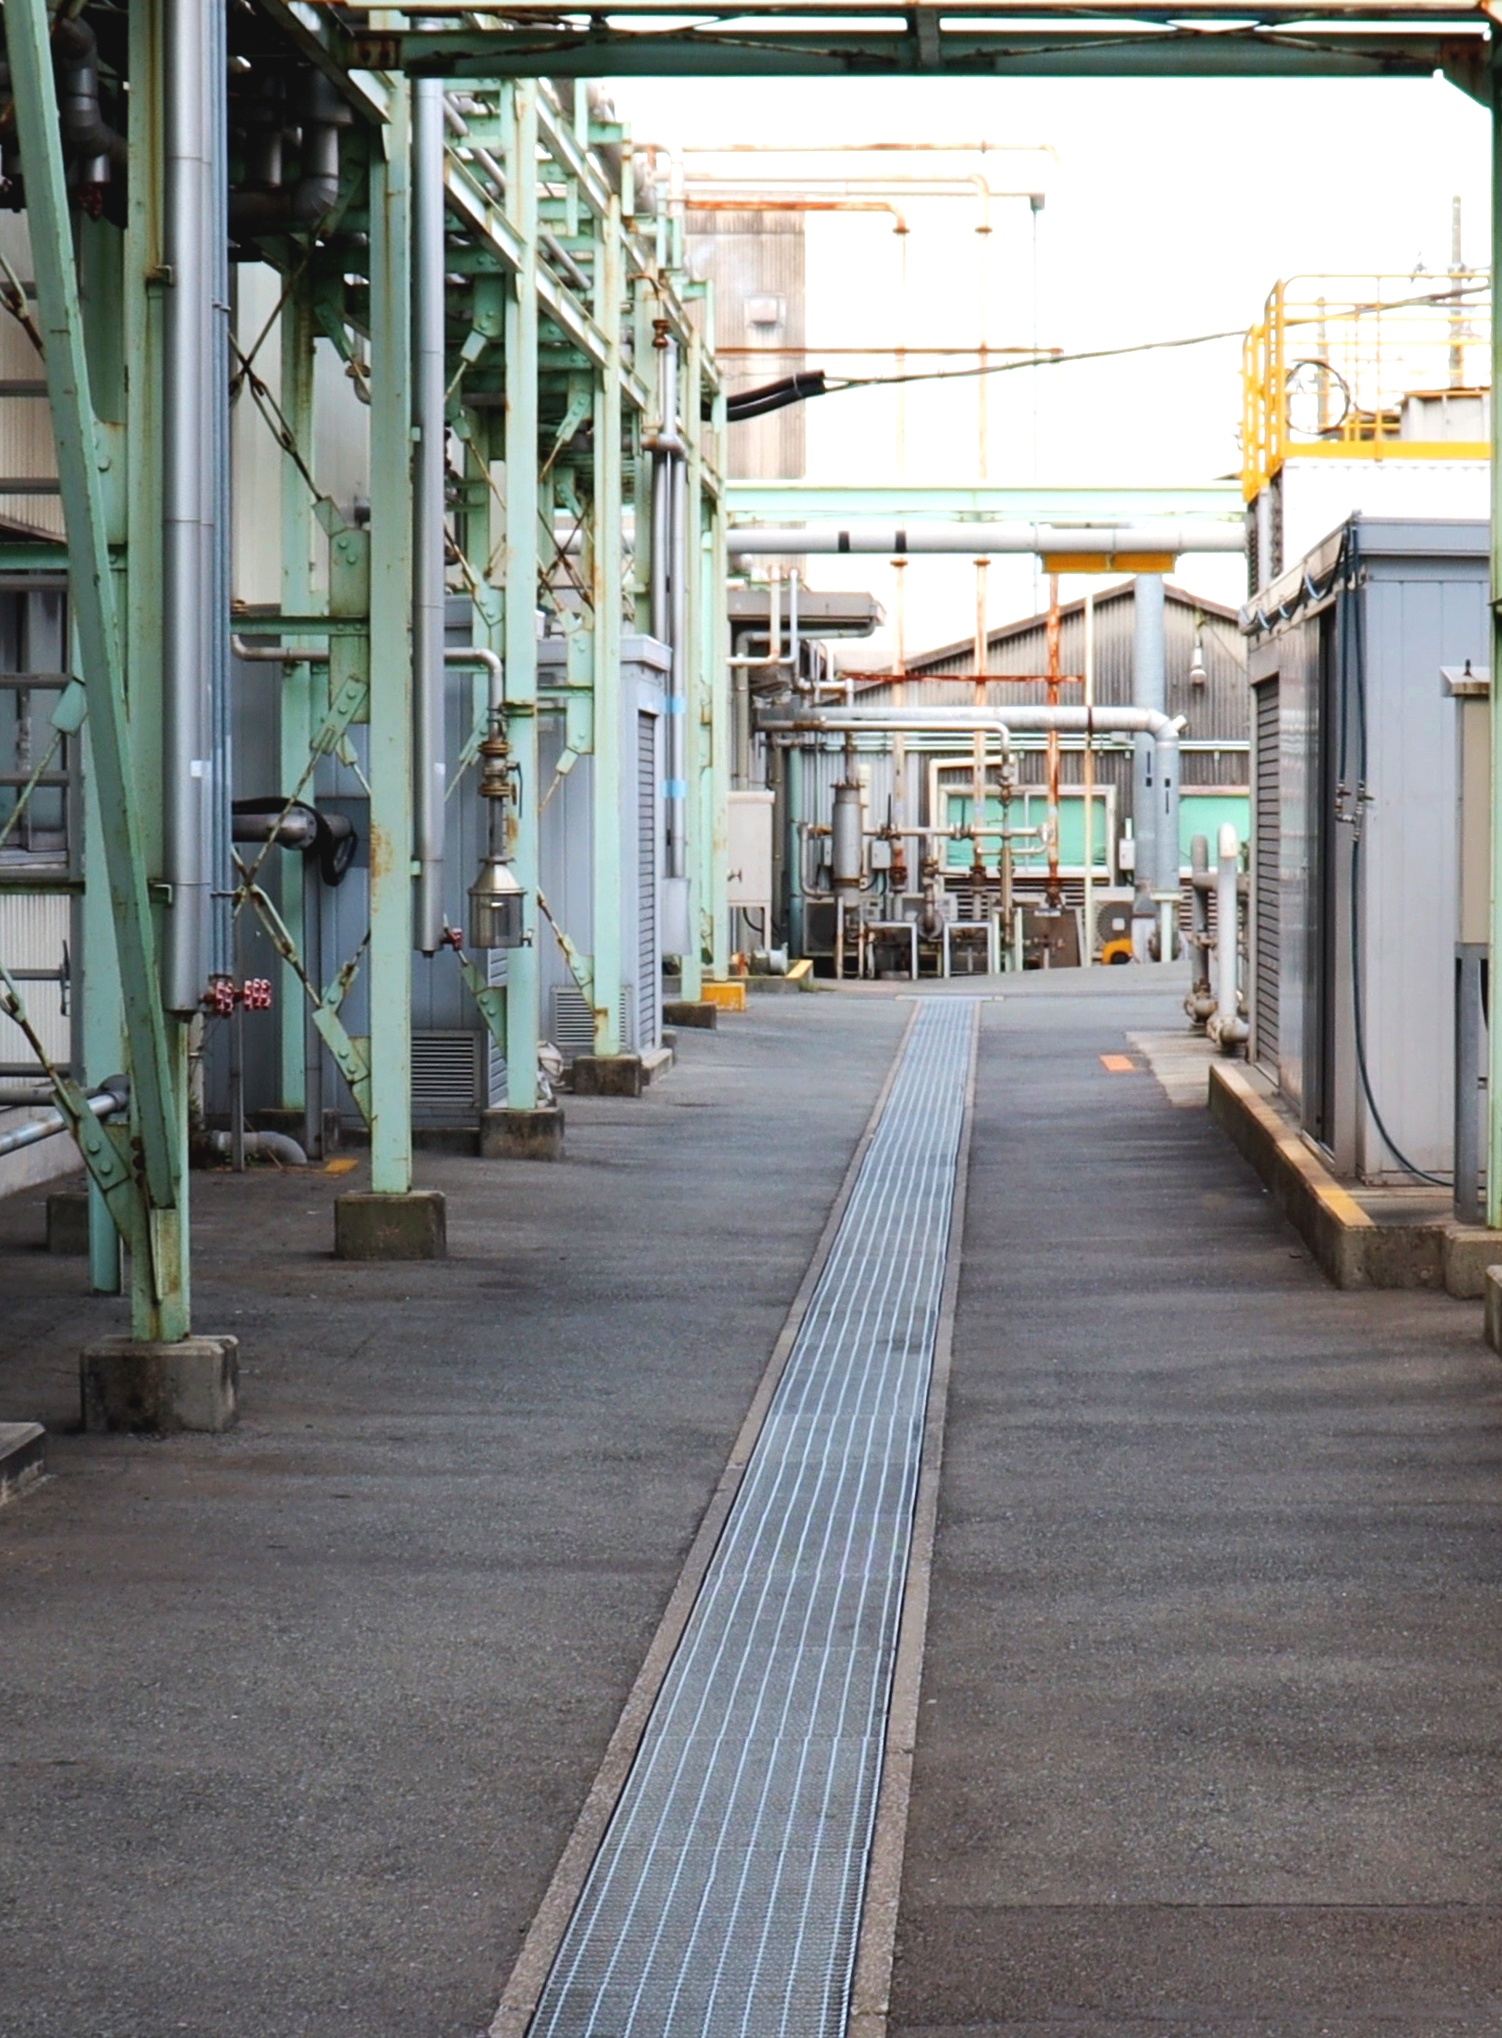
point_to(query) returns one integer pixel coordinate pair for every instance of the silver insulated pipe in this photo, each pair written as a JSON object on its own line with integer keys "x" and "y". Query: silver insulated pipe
{"x": 429, "y": 768}
{"x": 189, "y": 494}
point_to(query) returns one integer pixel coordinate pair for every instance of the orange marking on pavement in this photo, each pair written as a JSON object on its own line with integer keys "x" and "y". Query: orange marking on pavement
{"x": 340, "y": 1167}
{"x": 1118, "y": 1064}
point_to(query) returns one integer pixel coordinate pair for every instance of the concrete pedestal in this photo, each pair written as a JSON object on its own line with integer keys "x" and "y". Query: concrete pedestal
{"x": 128, "y": 1384}
{"x": 609, "y": 1075}
{"x": 1492, "y": 1314}
{"x": 23, "y": 1456}
{"x": 68, "y": 1221}
{"x": 372, "y": 1227}
{"x": 536, "y": 1135}
{"x": 691, "y": 1012}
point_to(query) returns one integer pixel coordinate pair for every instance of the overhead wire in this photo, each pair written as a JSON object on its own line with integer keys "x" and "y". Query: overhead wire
{"x": 748, "y": 403}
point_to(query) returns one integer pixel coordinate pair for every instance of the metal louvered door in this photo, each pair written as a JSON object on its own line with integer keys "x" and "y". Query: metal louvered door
{"x": 1267, "y": 879}
{"x": 648, "y": 965}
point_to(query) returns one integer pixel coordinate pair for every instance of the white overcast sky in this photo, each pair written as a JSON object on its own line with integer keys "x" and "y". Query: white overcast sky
{"x": 1171, "y": 209}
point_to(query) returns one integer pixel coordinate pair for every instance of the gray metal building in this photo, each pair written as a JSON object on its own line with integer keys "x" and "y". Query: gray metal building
{"x": 1354, "y": 863}
{"x": 755, "y": 260}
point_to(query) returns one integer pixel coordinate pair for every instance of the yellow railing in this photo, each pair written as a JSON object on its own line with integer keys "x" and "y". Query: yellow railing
{"x": 1367, "y": 367}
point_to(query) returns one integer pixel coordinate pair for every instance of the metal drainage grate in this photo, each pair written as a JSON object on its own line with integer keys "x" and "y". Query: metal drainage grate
{"x": 725, "y": 1899}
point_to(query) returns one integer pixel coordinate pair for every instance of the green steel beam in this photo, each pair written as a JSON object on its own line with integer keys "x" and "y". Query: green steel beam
{"x": 689, "y": 680}
{"x": 160, "y": 1303}
{"x": 522, "y": 1000}
{"x": 391, "y": 655}
{"x": 804, "y": 501}
{"x": 1052, "y": 43}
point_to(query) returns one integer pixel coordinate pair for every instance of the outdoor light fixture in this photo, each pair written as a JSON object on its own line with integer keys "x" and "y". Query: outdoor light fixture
{"x": 496, "y": 899}
{"x": 495, "y": 906}
{"x": 1198, "y": 676}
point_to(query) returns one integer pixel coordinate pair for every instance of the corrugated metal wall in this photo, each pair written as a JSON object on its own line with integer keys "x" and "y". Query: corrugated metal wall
{"x": 755, "y": 261}
{"x": 26, "y": 449}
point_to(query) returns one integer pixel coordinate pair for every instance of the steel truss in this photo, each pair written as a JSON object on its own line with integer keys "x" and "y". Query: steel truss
{"x": 558, "y": 303}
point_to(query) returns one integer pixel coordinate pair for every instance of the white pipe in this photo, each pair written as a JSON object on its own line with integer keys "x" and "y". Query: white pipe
{"x": 429, "y": 769}
{"x": 897, "y": 540}
{"x": 103, "y": 1104}
{"x": 1227, "y": 1028}
{"x": 187, "y": 499}
{"x": 277, "y": 1146}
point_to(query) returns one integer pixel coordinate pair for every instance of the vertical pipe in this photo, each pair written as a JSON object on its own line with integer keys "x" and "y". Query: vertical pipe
{"x": 1088, "y": 957}
{"x": 522, "y": 1001}
{"x": 300, "y": 1043}
{"x": 1227, "y": 868}
{"x": 391, "y": 654}
{"x": 1149, "y": 683}
{"x": 793, "y": 851}
{"x": 188, "y": 479}
{"x": 613, "y": 840}
{"x": 429, "y": 433}
{"x": 1052, "y": 740}
{"x": 312, "y": 948}
{"x": 1166, "y": 833}
{"x": 219, "y": 854}
{"x": 980, "y": 659}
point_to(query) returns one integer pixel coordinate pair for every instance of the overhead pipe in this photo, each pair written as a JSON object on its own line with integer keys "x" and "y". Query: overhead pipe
{"x": 429, "y": 766}
{"x": 899, "y": 541}
{"x": 86, "y": 132}
{"x": 188, "y": 498}
{"x": 1023, "y": 719}
{"x": 278, "y": 207}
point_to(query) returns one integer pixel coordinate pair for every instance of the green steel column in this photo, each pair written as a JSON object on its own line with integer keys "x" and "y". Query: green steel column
{"x": 104, "y": 1052}
{"x": 297, "y": 713}
{"x": 522, "y": 1013}
{"x": 159, "y": 1274}
{"x": 609, "y": 844}
{"x": 696, "y": 734}
{"x": 717, "y": 685}
{"x": 391, "y": 653}
{"x": 1494, "y": 958}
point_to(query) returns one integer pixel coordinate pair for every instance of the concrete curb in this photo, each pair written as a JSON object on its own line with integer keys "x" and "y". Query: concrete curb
{"x": 1349, "y": 1245}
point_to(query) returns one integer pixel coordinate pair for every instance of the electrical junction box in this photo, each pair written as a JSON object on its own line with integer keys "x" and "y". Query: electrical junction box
{"x": 881, "y": 853}
{"x": 750, "y": 851}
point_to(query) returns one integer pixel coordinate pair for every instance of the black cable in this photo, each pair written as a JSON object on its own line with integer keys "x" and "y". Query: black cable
{"x": 830, "y": 385}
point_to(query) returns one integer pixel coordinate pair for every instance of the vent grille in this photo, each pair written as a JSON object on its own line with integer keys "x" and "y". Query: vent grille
{"x": 574, "y": 1022}
{"x": 445, "y": 1074}
{"x": 1267, "y": 879}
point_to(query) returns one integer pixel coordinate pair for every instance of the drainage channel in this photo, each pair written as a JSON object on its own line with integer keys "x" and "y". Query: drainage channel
{"x": 724, "y": 1901}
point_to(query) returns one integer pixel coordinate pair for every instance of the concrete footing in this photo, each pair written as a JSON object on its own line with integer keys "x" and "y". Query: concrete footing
{"x": 132, "y": 1384}
{"x": 368, "y": 1226}
{"x": 691, "y": 1012}
{"x": 68, "y": 1221}
{"x": 522, "y": 1135}
{"x": 609, "y": 1075}
{"x": 23, "y": 1456}
{"x": 1491, "y": 1321}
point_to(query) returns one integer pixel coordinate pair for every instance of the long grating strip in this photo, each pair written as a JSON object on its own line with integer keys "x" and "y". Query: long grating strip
{"x": 725, "y": 1899}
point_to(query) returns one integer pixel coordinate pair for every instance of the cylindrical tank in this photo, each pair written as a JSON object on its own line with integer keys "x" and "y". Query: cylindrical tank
{"x": 845, "y": 851}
